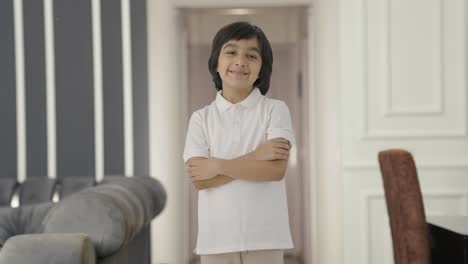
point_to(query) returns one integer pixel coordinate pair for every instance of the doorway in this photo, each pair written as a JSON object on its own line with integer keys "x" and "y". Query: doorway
{"x": 286, "y": 28}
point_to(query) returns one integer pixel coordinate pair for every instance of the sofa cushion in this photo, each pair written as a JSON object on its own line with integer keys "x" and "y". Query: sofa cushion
{"x": 8, "y": 218}
{"x": 30, "y": 217}
{"x": 36, "y": 190}
{"x": 73, "y": 184}
{"x": 7, "y": 187}
{"x": 22, "y": 220}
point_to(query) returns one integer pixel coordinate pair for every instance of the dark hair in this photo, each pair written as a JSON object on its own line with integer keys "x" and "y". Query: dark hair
{"x": 237, "y": 31}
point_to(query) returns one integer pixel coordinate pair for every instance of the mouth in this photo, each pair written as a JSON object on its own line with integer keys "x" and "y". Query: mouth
{"x": 235, "y": 72}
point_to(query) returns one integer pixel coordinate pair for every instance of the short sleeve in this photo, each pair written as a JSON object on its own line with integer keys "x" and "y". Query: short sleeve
{"x": 280, "y": 125}
{"x": 195, "y": 144}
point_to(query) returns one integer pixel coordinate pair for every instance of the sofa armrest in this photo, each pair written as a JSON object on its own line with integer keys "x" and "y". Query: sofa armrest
{"x": 48, "y": 249}
{"x": 111, "y": 214}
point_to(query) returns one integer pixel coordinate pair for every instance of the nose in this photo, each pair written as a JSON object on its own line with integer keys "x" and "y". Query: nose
{"x": 241, "y": 62}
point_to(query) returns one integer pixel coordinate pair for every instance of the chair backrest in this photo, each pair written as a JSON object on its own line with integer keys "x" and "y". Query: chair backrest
{"x": 405, "y": 207}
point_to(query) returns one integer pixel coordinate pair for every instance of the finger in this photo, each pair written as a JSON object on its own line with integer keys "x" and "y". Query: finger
{"x": 281, "y": 156}
{"x": 286, "y": 145}
{"x": 194, "y": 174}
{"x": 279, "y": 139}
{"x": 196, "y": 163}
{"x": 274, "y": 140}
{"x": 282, "y": 145}
{"x": 282, "y": 151}
{"x": 283, "y": 140}
{"x": 197, "y": 178}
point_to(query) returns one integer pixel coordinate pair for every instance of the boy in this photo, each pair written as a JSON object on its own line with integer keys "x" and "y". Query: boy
{"x": 237, "y": 150}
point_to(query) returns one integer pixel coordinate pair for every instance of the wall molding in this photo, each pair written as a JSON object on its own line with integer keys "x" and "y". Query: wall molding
{"x": 370, "y": 133}
{"x": 369, "y": 196}
{"x": 437, "y": 108}
{"x": 369, "y": 165}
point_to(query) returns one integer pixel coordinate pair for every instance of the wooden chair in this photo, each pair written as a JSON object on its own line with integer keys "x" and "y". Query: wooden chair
{"x": 405, "y": 207}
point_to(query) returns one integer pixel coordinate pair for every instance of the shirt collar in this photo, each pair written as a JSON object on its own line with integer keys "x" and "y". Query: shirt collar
{"x": 249, "y": 101}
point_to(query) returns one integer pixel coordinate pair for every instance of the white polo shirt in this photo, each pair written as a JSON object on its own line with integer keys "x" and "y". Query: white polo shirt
{"x": 240, "y": 215}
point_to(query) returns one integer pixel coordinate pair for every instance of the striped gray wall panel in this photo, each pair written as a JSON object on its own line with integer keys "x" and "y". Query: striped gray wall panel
{"x": 74, "y": 87}
{"x": 74, "y": 91}
{"x": 8, "y": 152}
{"x": 35, "y": 88}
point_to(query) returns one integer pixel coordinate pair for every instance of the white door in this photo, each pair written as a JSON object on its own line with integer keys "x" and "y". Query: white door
{"x": 403, "y": 85}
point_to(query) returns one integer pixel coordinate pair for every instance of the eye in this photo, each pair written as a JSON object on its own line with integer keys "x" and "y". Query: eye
{"x": 230, "y": 52}
{"x": 253, "y": 57}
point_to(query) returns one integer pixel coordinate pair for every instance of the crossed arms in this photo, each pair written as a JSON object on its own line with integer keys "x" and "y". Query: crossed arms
{"x": 266, "y": 163}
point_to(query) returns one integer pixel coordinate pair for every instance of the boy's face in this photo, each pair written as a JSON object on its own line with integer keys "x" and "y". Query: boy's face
{"x": 239, "y": 63}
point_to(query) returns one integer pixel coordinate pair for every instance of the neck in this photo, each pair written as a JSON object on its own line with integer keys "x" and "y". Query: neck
{"x": 234, "y": 95}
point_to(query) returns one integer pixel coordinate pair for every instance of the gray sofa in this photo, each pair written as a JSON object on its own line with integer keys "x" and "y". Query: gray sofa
{"x": 105, "y": 223}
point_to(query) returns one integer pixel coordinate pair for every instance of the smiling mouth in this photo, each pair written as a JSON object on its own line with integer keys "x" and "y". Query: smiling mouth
{"x": 238, "y": 72}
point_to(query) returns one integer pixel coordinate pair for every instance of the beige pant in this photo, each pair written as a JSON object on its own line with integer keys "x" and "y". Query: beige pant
{"x": 245, "y": 257}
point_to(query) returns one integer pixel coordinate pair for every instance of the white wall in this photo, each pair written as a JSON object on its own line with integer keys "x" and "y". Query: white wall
{"x": 167, "y": 110}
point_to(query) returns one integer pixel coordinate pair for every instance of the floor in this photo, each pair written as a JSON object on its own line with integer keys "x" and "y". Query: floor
{"x": 287, "y": 260}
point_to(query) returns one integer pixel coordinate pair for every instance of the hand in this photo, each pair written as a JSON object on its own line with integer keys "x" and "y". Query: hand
{"x": 273, "y": 149}
{"x": 203, "y": 169}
